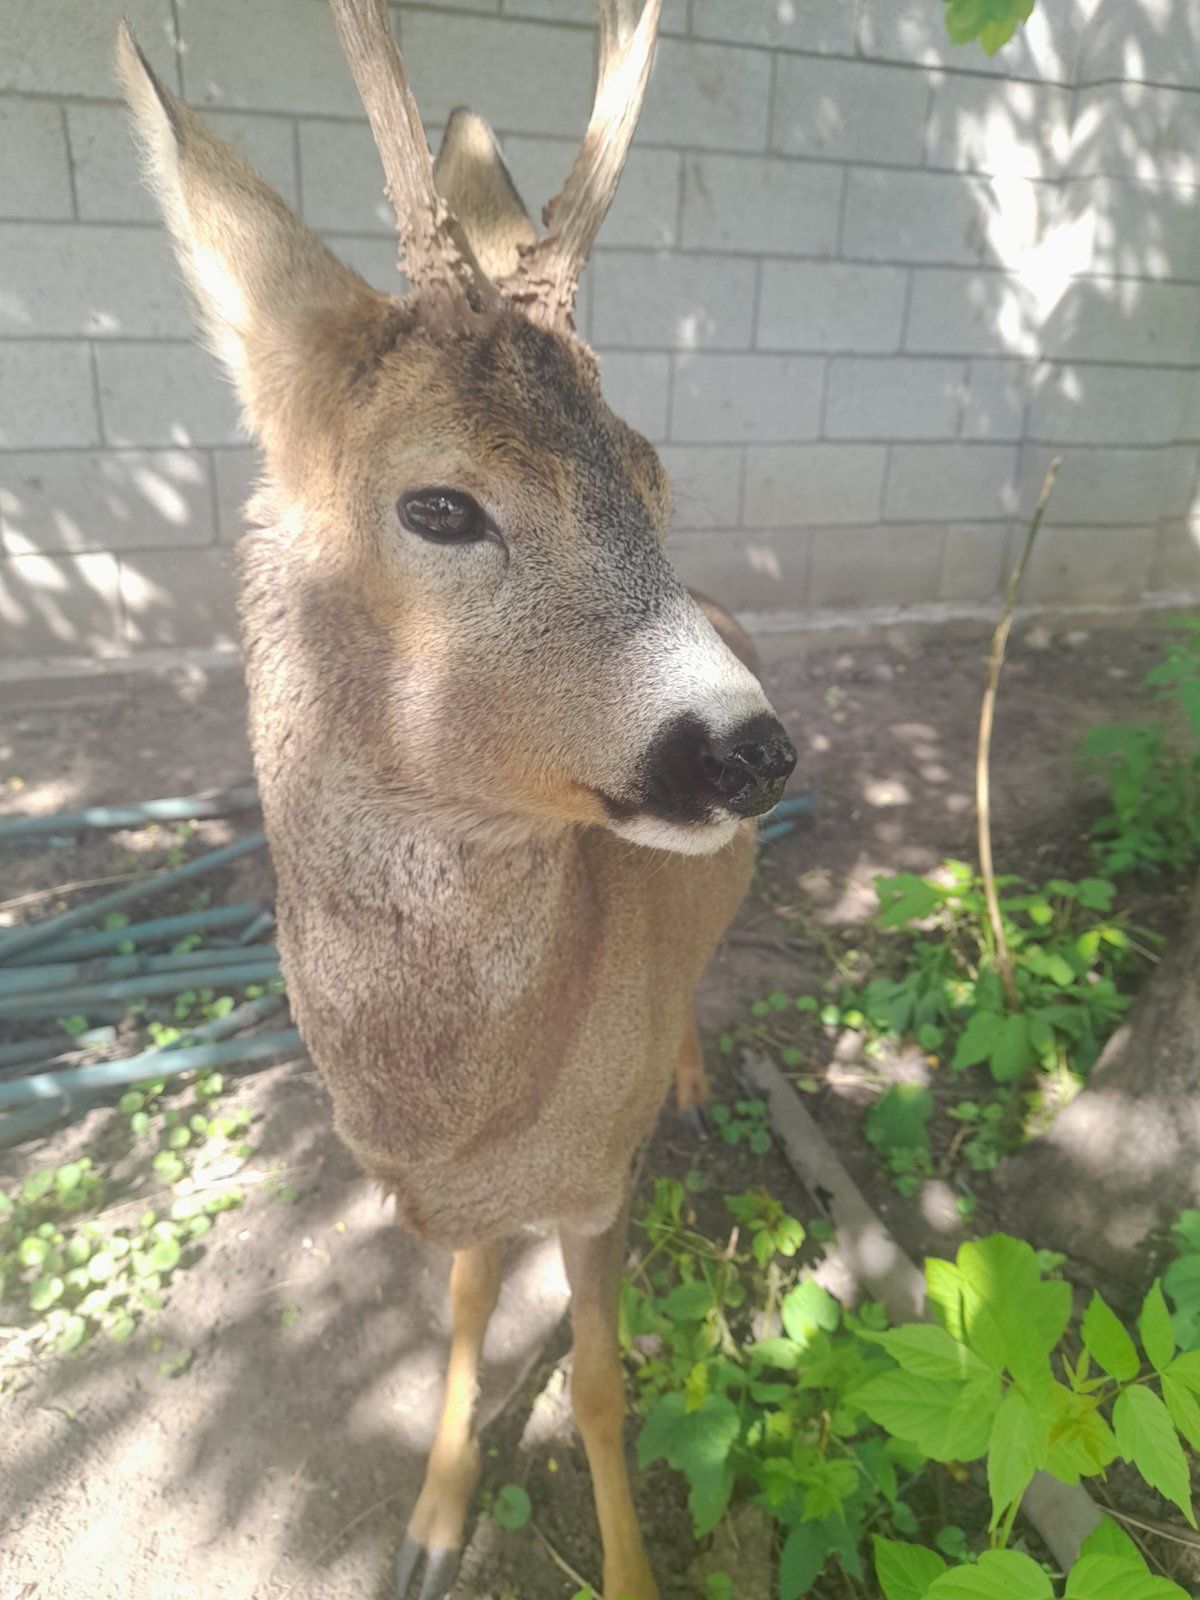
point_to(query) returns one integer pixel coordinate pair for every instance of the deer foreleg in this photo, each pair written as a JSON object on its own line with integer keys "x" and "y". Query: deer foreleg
{"x": 593, "y": 1263}
{"x": 435, "y": 1528}
{"x": 691, "y": 1082}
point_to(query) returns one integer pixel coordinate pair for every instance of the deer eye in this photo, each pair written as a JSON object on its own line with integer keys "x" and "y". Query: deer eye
{"x": 444, "y": 516}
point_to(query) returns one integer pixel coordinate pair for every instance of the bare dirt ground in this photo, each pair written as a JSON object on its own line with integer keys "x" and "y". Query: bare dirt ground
{"x": 280, "y": 1464}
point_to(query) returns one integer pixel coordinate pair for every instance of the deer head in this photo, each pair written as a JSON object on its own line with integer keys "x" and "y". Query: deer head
{"x": 468, "y": 535}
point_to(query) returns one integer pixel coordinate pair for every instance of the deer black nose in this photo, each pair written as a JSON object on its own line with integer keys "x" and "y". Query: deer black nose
{"x": 749, "y": 767}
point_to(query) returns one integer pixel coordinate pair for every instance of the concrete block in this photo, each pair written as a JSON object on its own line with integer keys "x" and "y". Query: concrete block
{"x": 728, "y": 399}
{"x": 1044, "y": 48}
{"x": 522, "y": 76}
{"x": 849, "y": 111}
{"x": 237, "y": 475}
{"x": 108, "y": 183}
{"x": 948, "y": 217}
{"x": 971, "y": 313}
{"x": 276, "y": 55}
{"x": 1137, "y": 130}
{"x": 165, "y": 394}
{"x": 975, "y": 563}
{"x": 813, "y": 485}
{"x": 672, "y": 302}
{"x": 707, "y": 97}
{"x": 1158, "y": 41}
{"x": 645, "y": 211}
{"x": 745, "y": 571}
{"x": 1101, "y": 319}
{"x": 707, "y": 484}
{"x": 1085, "y": 566}
{"x": 995, "y": 400}
{"x": 1130, "y": 228}
{"x": 35, "y": 180}
{"x": 1108, "y": 485}
{"x": 376, "y": 260}
{"x": 59, "y": 605}
{"x": 951, "y": 482}
{"x": 1108, "y": 405}
{"x": 342, "y": 180}
{"x": 673, "y": 18}
{"x": 99, "y": 280}
{"x": 805, "y": 305}
{"x": 991, "y": 125}
{"x": 636, "y": 385}
{"x": 55, "y": 501}
{"x": 893, "y": 398}
{"x": 809, "y": 26}
{"x": 66, "y": 46}
{"x": 761, "y": 205}
{"x": 46, "y": 395}
{"x": 1175, "y": 565}
{"x": 1189, "y": 427}
{"x": 874, "y": 566}
{"x": 181, "y": 599}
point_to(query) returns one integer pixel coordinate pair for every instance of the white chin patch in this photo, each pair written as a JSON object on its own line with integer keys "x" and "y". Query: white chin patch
{"x": 682, "y": 838}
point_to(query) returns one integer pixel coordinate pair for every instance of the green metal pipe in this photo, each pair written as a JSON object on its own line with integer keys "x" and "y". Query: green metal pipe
{"x": 69, "y": 974}
{"x": 40, "y": 933}
{"x": 83, "y": 996}
{"x": 182, "y": 808}
{"x": 23, "y": 1050}
{"x": 214, "y": 919}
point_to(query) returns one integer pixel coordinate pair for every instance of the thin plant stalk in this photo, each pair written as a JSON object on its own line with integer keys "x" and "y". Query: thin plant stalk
{"x": 983, "y": 791}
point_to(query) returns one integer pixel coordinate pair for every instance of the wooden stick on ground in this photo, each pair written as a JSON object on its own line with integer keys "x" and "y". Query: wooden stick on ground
{"x": 983, "y": 757}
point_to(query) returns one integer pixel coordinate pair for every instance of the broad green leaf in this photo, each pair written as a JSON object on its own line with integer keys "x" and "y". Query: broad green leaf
{"x": 827, "y": 1484}
{"x": 898, "y": 1120}
{"x": 999, "y": 1575}
{"x": 696, "y": 1443}
{"x": 1015, "y": 1450}
{"x": 905, "y": 1571}
{"x": 948, "y": 1421}
{"x": 1154, "y": 1326}
{"x": 689, "y": 1302}
{"x": 1111, "y": 1347}
{"x": 1181, "y": 1280}
{"x": 1185, "y": 1369}
{"x": 928, "y": 1351}
{"x": 978, "y": 1039}
{"x": 943, "y": 1290}
{"x": 1081, "y": 1443}
{"x": 1183, "y": 1409}
{"x": 1110, "y": 1540}
{"x": 802, "y": 1558}
{"x": 906, "y": 898}
{"x": 512, "y": 1507}
{"x": 806, "y": 1309}
{"x": 1102, "y": 1577}
{"x": 775, "y": 1353}
{"x": 1011, "y": 1317}
{"x": 1147, "y": 1438}
{"x": 1012, "y": 1054}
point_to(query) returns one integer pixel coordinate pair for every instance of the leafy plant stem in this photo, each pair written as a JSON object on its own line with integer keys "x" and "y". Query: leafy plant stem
{"x": 983, "y": 755}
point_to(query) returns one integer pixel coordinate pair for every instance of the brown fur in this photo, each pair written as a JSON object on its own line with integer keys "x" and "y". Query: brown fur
{"x": 494, "y": 986}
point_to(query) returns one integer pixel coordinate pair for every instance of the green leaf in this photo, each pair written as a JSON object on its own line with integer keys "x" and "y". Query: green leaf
{"x": 803, "y": 1556}
{"x": 697, "y": 1443}
{"x": 806, "y": 1309}
{"x": 1146, "y": 1437}
{"x": 1182, "y": 1408}
{"x": 948, "y": 1421}
{"x": 1103, "y": 1577}
{"x": 690, "y": 1302}
{"x": 905, "y": 1571}
{"x": 775, "y": 1353}
{"x": 899, "y": 1118}
{"x": 74, "y": 1332}
{"x": 43, "y": 1292}
{"x": 512, "y": 1507}
{"x": 1012, "y": 1054}
{"x": 1154, "y": 1326}
{"x": 1110, "y": 1346}
{"x": 928, "y": 1351}
{"x": 1109, "y": 1540}
{"x": 1011, "y": 1317}
{"x": 999, "y": 1575}
{"x": 1081, "y": 1443}
{"x": 1015, "y": 1450}
{"x": 32, "y": 1251}
{"x": 37, "y": 1185}
{"x": 905, "y": 897}
{"x": 978, "y": 1039}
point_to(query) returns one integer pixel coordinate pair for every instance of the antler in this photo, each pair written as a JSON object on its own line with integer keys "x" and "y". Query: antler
{"x": 548, "y": 276}
{"x": 433, "y": 251}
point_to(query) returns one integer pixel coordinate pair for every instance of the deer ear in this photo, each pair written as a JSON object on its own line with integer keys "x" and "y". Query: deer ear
{"x": 264, "y": 282}
{"x": 475, "y": 183}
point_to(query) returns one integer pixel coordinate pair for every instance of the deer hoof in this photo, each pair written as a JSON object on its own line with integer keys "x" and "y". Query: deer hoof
{"x": 695, "y": 1123}
{"x": 440, "y": 1568}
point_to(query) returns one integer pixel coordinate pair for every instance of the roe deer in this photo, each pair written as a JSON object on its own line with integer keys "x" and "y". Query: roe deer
{"x": 505, "y": 758}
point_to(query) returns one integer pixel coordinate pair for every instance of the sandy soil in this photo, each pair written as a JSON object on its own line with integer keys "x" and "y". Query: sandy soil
{"x": 282, "y": 1461}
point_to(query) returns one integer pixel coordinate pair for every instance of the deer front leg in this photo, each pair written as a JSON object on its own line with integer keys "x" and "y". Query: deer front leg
{"x": 691, "y": 1083}
{"x": 593, "y": 1264}
{"x": 435, "y": 1528}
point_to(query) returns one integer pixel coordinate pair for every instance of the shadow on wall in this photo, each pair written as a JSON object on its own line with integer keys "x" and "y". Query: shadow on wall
{"x": 857, "y": 353}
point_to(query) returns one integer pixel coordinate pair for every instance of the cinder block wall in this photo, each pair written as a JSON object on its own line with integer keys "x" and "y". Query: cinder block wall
{"x": 859, "y": 286}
